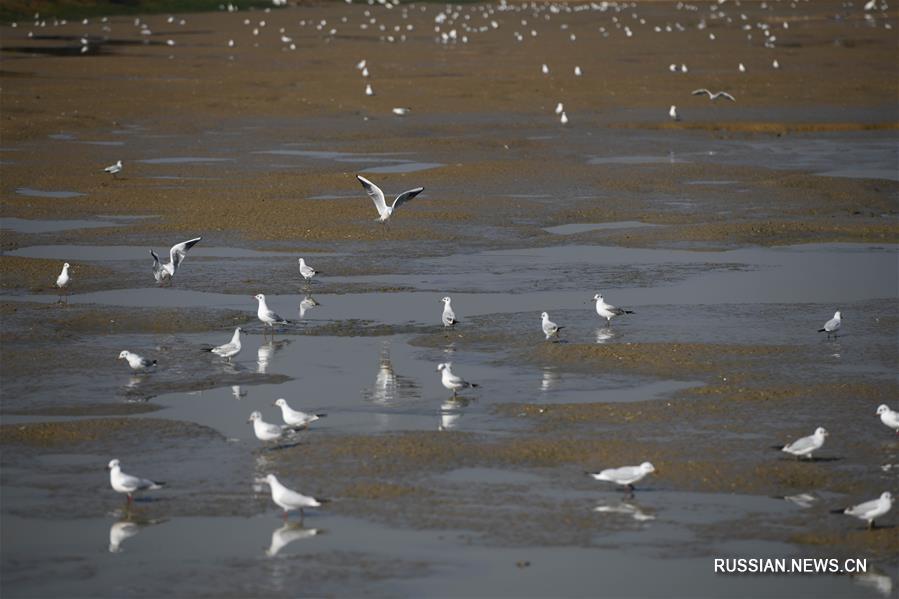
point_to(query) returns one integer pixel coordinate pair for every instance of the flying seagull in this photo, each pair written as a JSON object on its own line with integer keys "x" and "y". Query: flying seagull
{"x": 177, "y": 254}
{"x": 713, "y": 96}
{"x": 377, "y": 196}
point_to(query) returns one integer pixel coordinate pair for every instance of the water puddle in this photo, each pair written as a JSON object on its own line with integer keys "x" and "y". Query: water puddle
{"x": 103, "y": 143}
{"x": 124, "y": 252}
{"x": 21, "y": 225}
{"x": 574, "y": 228}
{"x": 43, "y": 193}
{"x": 634, "y": 160}
{"x": 334, "y": 156}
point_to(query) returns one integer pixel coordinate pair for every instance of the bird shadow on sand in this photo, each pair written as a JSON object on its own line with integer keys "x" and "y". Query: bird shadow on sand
{"x": 284, "y": 446}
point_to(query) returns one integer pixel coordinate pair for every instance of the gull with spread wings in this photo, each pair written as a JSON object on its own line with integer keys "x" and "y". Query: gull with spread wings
{"x": 377, "y": 196}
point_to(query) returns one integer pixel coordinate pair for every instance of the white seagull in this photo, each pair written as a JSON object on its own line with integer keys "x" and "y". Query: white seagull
{"x": 608, "y": 311}
{"x": 564, "y": 118}
{"x": 62, "y": 281}
{"x": 807, "y": 445}
{"x": 401, "y": 111}
{"x": 114, "y": 169}
{"x": 451, "y": 381}
{"x": 135, "y": 361}
{"x": 550, "y": 329}
{"x": 833, "y": 325}
{"x": 377, "y": 196}
{"x": 177, "y": 254}
{"x": 295, "y": 417}
{"x": 230, "y": 349}
{"x": 625, "y": 476}
{"x": 368, "y": 90}
{"x": 741, "y": 68}
{"x": 544, "y": 69}
{"x": 889, "y": 417}
{"x": 560, "y": 108}
{"x": 287, "y": 499}
{"x": 306, "y": 271}
{"x": 267, "y": 316}
{"x": 672, "y": 112}
{"x": 713, "y": 96}
{"x": 266, "y": 431}
{"x": 125, "y": 483}
{"x": 870, "y": 510}
{"x": 448, "y": 317}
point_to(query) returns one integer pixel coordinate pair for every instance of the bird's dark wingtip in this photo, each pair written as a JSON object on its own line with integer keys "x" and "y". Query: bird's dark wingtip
{"x": 322, "y": 415}
{"x": 838, "y": 511}
{"x": 778, "y": 447}
{"x": 822, "y": 330}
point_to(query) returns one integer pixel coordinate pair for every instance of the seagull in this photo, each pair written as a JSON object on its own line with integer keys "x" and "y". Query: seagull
{"x": 136, "y": 362}
{"x": 177, "y": 254}
{"x": 368, "y": 90}
{"x": 741, "y": 68}
{"x": 870, "y": 510}
{"x": 266, "y": 431}
{"x": 114, "y": 169}
{"x": 306, "y": 271}
{"x": 713, "y": 96}
{"x": 672, "y": 112}
{"x": 365, "y": 72}
{"x": 377, "y": 196}
{"x": 62, "y": 280}
{"x": 295, "y": 417}
{"x": 807, "y": 445}
{"x": 564, "y": 118}
{"x": 125, "y": 483}
{"x": 287, "y": 499}
{"x": 578, "y": 72}
{"x": 625, "y": 476}
{"x": 560, "y": 108}
{"x": 889, "y": 417}
{"x": 448, "y": 317}
{"x": 833, "y": 325}
{"x": 400, "y": 111}
{"x": 286, "y": 535}
{"x": 230, "y": 349}
{"x": 450, "y": 380}
{"x": 267, "y": 316}
{"x": 608, "y": 311}
{"x": 361, "y": 64}
{"x": 775, "y": 64}
{"x": 544, "y": 69}
{"x": 550, "y": 329}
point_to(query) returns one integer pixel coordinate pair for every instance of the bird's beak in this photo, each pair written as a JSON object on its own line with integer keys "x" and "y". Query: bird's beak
{"x": 108, "y": 468}
{"x": 274, "y": 403}
{"x": 249, "y": 420}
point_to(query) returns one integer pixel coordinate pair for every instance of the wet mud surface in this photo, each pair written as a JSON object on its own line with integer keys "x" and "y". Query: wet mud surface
{"x": 732, "y": 234}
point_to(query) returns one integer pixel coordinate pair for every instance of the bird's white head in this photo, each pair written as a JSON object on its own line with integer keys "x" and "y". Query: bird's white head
{"x": 647, "y": 467}
{"x": 446, "y": 300}
{"x": 302, "y": 262}
{"x": 280, "y": 403}
{"x": 259, "y": 297}
{"x": 66, "y": 265}
{"x": 882, "y": 409}
{"x": 124, "y": 355}
{"x": 821, "y": 431}
{"x": 837, "y": 315}
{"x": 239, "y": 330}
{"x": 886, "y": 496}
{"x": 112, "y": 464}
{"x": 544, "y": 315}
{"x": 254, "y": 416}
{"x": 443, "y": 366}
{"x": 271, "y": 478}
{"x": 597, "y": 297}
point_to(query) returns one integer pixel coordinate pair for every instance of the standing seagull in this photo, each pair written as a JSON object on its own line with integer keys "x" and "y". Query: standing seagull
{"x": 807, "y": 445}
{"x": 377, "y": 196}
{"x": 267, "y": 316}
{"x": 306, "y": 271}
{"x": 62, "y": 281}
{"x": 114, "y": 169}
{"x": 608, "y": 311}
{"x": 136, "y": 362}
{"x": 266, "y": 431}
{"x": 287, "y": 499}
{"x": 833, "y": 325}
{"x": 125, "y": 483}
{"x": 672, "y": 112}
{"x": 713, "y": 96}
{"x": 626, "y": 475}
{"x": 230, "y": 349}
{"x": 177, "y": 254}
{"x": 448, "y": 317}
{"x": 450, "y": 380}
{"x": 550, "y": 329}
{"x": 296, "y": 417}
{"x": 870, "y": 510}
{"x": 889, "y": 417}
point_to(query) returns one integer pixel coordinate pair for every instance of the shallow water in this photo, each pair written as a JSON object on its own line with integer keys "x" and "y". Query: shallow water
{"x": 574, "y": 228}
{"x": 43, "y": 193}
{"x": 21, "y": 225}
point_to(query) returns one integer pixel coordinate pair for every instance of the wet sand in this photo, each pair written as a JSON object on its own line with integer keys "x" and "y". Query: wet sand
{"x": 254, "y": 147}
